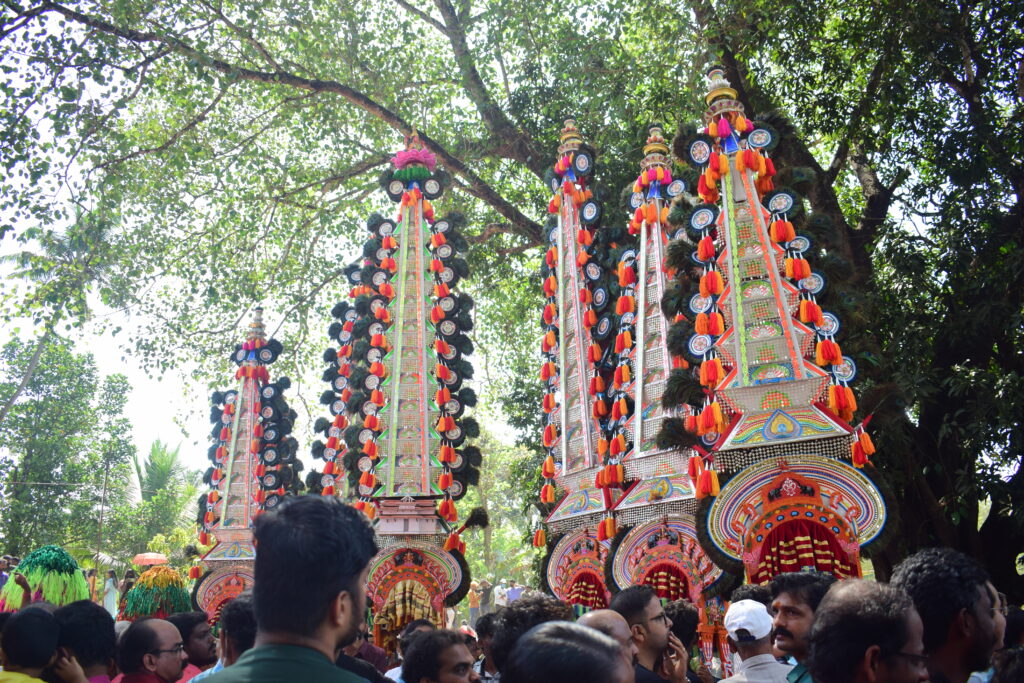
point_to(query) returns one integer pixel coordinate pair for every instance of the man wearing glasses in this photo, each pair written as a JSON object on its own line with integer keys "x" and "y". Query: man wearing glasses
{"x": 151, "y": 651}
{"x": 867, "y": 632}
{"x": 963, "y": 618}
{"x": 643, "y": 611}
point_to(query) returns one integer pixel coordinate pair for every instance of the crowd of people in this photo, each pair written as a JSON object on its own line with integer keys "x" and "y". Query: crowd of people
{"x": 939, "y": 619}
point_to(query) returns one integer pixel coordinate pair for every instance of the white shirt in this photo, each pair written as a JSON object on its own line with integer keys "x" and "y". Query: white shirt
{"x": 501, "y": 596}
{"x": 760, "y": 669}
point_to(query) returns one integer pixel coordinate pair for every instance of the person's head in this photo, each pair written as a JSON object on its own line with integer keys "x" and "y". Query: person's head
{"x": 130, "y": 574}
{"x": 613, "y": 625}
{"x": 519, "y": 617}
{"x": 87, "y": 633}
{"x": 749, "y": 627}
{"x": 152, "y": 646}
{"x": 200, "y": 646}
{"x": 685, "y": 619}
{"x": 312, "y": 554}
{"x": 1014, "y": 633}
{"x": 5, "y": 563}
{"x": 91, "y": 573}
{"x": 752, "y": 591}
{"x": 1008, "y": 666}
{"x": 410, "y": 631}
{"x": 558, "y": 652}
{"x": 795, "y": 597}
{"x": 29, "y": 641}
{"x": 867, "y": 632}
{"x": 111, "y": 574}
{"x": 957, "y": 605}
{"x": 472, "y": 644}
{"x": 237, "y": 628}
{"x": 438, "y": 656}
{"x": 485, "y": 627}
{"x": 647, "y": 620}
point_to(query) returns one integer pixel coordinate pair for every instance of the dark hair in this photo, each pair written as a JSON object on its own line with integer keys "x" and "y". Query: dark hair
{"x": 238, "y": 620}
{"x": 1014, "y": 627}
{"x": 410, "y": 631}
{"x": 808, "y": 587}
{"x": 854, "y": 616}
{"x": 519, "y": 617}
{"x": 685, "y": 619}
{"x": 307, "y": 551}
{"x": 29, "y": 638}
{"x": 557, "y": 652}
{"x": 632, "y": 602}
{"x": 486, "y": 625}
{"x": 752, "y": 591}
{"x": 136, "y": 642}
{"x": 423, "y": 655}
{"x": 87, "y": 629}
{"x": 1008, "y": 666}
{"x": 186, "y": 622}
{"x": 941, "y": 582}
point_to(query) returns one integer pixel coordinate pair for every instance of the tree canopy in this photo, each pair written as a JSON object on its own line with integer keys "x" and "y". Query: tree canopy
{"x": 228, "y": 150}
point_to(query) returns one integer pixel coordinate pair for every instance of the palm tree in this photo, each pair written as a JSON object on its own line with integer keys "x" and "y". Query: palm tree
{"x": 166, "y": 486}
{"x": 62, "y": 269}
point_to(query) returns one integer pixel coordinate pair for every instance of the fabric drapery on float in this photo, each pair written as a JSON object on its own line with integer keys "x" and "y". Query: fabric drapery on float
{"x": 797, "y": 544}
{"x": 588, "y": 591}
{"x": 668, "y": 581}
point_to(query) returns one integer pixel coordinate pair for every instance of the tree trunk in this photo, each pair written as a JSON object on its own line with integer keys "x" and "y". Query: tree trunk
{"x": 33, "y": 363}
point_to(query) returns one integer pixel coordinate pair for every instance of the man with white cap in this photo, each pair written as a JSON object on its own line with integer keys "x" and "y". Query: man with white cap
{"x": 750, "y": 634}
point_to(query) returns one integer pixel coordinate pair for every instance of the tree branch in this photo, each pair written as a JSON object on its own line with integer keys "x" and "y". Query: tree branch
{"x": 856, "y": 117}
{"x": 475, "y": 185}
{"x": 421, "y": 14}
{"x": 518, "y": 145}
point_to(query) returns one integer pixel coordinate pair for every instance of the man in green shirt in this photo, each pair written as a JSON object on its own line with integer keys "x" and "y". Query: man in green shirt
{"x": 312, "y": 557}
{"x": 795, "y": 597}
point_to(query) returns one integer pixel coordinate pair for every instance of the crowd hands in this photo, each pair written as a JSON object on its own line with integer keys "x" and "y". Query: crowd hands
{"x": 939, "y": 619}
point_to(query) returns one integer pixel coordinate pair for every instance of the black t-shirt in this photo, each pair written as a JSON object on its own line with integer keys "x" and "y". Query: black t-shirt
{"x": 361, "y": 667}
{"x": 645, "y": 675}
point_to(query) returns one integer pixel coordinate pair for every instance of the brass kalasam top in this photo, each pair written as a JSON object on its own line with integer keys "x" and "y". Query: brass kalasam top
{"x": 718, "y": 86}
{"x": 570, "y": 138}
{"x": 656, "y": 142}
{"x": 256, "y": 329}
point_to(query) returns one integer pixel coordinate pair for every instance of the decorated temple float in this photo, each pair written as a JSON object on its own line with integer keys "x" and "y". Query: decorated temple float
{"x": 698, "y": 410}
{"x": 253, "y": 466}
{"x": 397, "y": 435}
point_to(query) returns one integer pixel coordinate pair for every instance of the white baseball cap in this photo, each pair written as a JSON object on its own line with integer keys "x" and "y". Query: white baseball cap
{"x": 750, "y": 616}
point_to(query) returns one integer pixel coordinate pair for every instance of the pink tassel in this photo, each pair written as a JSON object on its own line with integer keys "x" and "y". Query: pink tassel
{"x": 724, "y": 130}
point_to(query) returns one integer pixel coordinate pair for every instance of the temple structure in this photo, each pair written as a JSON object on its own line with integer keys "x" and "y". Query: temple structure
{"x": 775, "y": 422}
{"x": 398, "y": 433}
{"x": 253, "y": 467}
{"x": 698, "y": 409}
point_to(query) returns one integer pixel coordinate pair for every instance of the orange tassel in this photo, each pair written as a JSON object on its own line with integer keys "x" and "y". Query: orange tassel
{"x": 453, "y": 542}
{"x": 866, "y": 443}
{"x": 540, "y": 538}
{"x": 547, "y": 470}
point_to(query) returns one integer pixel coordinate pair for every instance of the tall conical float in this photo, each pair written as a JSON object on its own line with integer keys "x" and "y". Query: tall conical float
{"x": 253, "y": 467}
{"x": 783, "y": 475}
{"x": 397, "y": 435}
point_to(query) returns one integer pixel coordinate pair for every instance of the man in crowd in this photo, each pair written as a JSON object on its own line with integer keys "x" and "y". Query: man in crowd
{"x": 438, "y": 656}
{"x": 520, "y": 617}
{"x": 613, "y": 625}
{"x": 685, "y": 619}
{"x": 369, "y": 652}
{"x": 485, "y": 666}
{"x": 474, "y": 603}
{"x": 867, "y": 632}
{"x": 87, "y": 634}
{"x": 312, "y": 556}
{"x": 795, "y": 597}
{"x": 562, "y": 652}
{"x": 237, "y": 633}
{"x": 959, "y": 607}
{"x": 651, "y": 629}
{"x": 28, "y": 645}
{"x": 5, "y": 567}
{"x": 486, "y": 597}
{"x": 404, "y": 639}
{"x": 501, "y": 595}
{"x": 151, "y": 651}
{"x": 749, "y": 627}
{"x": 200, "y": 645}
{"x": 514, "y": 592}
